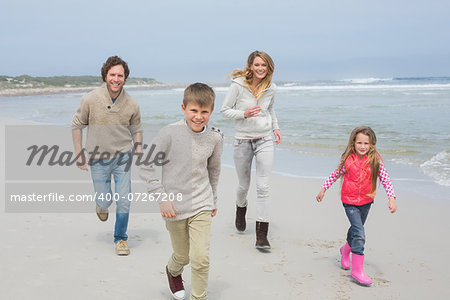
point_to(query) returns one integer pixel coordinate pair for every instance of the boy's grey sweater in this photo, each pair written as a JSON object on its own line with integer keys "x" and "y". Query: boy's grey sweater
{"x": 193, "y": 168}
{"x": 239, "y": 99}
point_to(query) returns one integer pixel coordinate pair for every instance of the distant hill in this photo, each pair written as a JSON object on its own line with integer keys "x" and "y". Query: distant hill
{"x": 30, "y": 82}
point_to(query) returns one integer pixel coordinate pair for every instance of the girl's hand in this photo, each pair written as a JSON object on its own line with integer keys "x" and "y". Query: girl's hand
{"x": 319, "y": 196}
{"x": 214, "y": 213}
{"x": 252, "y": 111}
{"x": 392, "y": 205}
{"x": 167, "y": 209}
{"x": 277, "y": 135}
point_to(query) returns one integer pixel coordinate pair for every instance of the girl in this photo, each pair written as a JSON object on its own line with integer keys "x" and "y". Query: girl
{"x": 361, "y": 166}
{"x": 250, "y": 103}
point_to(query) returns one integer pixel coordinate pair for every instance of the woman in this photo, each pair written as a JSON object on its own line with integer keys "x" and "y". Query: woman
{"x": 250, "y": 103}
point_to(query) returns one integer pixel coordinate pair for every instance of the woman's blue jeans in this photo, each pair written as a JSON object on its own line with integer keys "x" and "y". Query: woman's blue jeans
{"x": 101, "y": 172}
{"x": 356, "y": 236}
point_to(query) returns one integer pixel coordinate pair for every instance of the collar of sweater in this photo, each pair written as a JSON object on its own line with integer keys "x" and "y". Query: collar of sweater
{"x": 107, "y": 96}
{"x": 193, "y": 132}
{"x": 241, "y": 82}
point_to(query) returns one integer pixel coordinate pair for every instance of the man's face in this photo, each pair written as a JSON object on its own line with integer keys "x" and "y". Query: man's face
{"x": 115, "y": 79}
{"x": 196, "y": 116}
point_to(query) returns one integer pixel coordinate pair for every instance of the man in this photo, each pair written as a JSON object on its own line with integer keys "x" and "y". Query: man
{"x": 114, "y": 125}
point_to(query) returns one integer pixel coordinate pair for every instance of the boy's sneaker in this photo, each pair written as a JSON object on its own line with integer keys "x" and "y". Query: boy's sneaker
{"x": 176, "y": 286}
{"x": 102, "y": 213}
{"x": 122, "y": 248}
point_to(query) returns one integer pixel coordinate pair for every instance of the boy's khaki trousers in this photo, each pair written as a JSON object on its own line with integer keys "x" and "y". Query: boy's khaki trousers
{"x": 190, "y": 242}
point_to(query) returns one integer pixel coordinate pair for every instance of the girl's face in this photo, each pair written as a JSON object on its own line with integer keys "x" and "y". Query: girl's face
{"x": 259, "y": 68}
{"x": 362, "y": 144}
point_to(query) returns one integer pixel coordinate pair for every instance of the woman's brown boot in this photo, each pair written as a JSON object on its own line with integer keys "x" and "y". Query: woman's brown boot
{"x": 261, "y": 235}
{"x": 240, "y": 218}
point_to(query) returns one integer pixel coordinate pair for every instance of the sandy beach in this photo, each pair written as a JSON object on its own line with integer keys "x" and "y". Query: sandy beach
{"x": 71, "y": 255}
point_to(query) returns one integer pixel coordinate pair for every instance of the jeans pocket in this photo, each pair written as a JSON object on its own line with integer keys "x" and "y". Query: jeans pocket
{"x": 93, "y": 162}
{"x": 267, "y": 138}
{"x": 237, "y": 142}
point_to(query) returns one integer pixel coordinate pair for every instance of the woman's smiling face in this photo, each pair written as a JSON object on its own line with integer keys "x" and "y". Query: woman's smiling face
{"x": 259, "y": 68}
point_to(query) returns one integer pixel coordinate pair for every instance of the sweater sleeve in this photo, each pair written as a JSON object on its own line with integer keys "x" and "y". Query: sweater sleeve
{"x": 229, "y": 104}
{"x": 148, "y": 171}
{"x": 214, "y": 164}
{"x": 135, "y": 122}
{"x": 386, "y": 180}
{"x": 333, "y": 177}
{"x": 273, "y": 115}
{"x": 81, "y": 117}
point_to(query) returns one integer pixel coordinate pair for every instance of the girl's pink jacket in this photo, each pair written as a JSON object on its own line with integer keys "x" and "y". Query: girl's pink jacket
{"x": 356, "y": 183}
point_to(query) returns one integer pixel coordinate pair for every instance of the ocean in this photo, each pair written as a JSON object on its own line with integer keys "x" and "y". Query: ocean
{"x": 411, "y": 117}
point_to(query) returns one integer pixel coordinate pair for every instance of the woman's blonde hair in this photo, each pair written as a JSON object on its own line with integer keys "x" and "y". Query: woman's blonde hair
{"x": 247, "y": 73}
{"x": 372, "y": 154}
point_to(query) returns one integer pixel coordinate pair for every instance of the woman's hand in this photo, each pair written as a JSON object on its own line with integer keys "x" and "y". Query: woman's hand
{"x": 252, "y": 111}
{"x": 277, "y": 135}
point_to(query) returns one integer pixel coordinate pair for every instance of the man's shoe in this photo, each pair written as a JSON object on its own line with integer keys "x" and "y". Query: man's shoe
{"x": 122, "y": 248}
{"x": 176, "y": 286}
{"x": 102, "y": 213}
{"x": 240, "y": 218}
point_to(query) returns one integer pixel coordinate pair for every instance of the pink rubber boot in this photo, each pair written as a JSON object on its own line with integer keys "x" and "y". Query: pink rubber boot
{"x": 358, "y": 271}
{"x": 345, "y": 256}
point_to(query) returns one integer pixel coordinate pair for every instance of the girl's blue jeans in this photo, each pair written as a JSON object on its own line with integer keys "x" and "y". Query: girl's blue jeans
{"x": 356, "y": 236}
{"x": 101, "y": 172}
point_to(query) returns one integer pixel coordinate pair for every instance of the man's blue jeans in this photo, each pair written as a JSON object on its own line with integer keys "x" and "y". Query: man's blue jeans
{"x": 101, "y": 172}
{"x": 356, "y": 236}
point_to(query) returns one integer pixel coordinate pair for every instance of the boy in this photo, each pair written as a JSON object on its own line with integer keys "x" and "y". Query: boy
{"x": 187, "y": 191}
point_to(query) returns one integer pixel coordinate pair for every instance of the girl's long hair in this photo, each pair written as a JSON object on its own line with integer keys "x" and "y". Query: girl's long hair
{"x": 373, "y": 158}
{"x": 247, "y": 73}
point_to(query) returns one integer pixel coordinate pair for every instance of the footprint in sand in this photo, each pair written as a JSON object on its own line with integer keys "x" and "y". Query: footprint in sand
{"x": 268, "y": 269}
{"x": 323, "y": 244}
{"x": 381, "y": 282}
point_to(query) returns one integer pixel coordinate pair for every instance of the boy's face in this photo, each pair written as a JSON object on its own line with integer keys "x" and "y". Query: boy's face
{"x": 196, "y": 116}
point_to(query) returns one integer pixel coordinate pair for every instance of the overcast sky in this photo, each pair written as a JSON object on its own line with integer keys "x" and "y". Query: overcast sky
{"x": 194, "y": 40}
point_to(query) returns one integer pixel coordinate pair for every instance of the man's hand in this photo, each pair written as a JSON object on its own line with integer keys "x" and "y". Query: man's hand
{"x": 82, "y": 163}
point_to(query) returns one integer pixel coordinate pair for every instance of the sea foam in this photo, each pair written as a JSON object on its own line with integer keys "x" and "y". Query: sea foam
{"x": 438, "y": 168}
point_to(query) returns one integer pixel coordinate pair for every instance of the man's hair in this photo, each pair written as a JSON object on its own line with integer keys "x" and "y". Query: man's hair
{"x": 114, "y": 61}
{"x": 200, "y": 93}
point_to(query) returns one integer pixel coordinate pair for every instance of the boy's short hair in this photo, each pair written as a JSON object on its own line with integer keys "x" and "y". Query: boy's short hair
{"x": 200, "y": 93}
